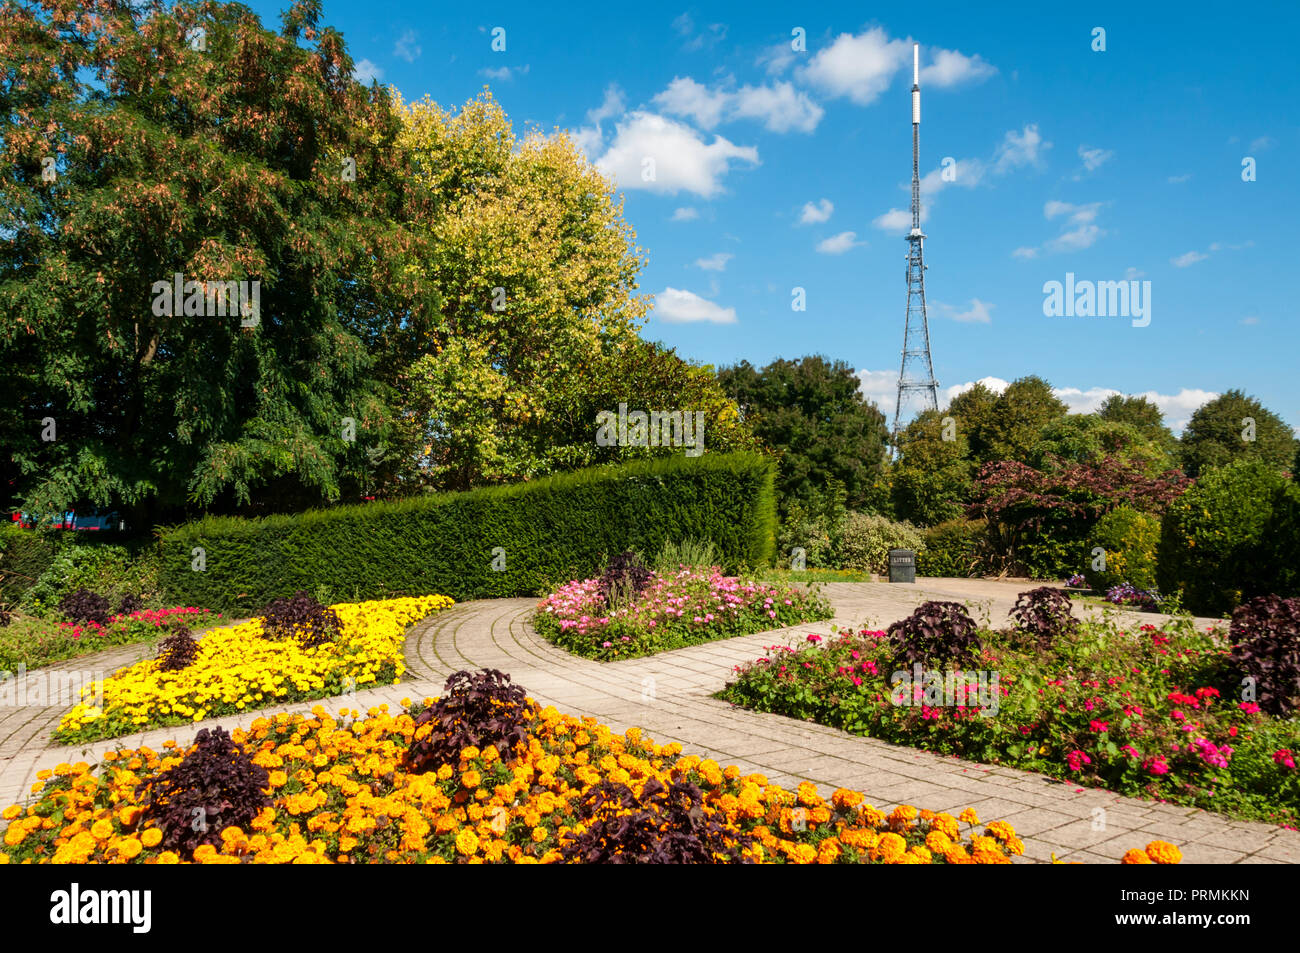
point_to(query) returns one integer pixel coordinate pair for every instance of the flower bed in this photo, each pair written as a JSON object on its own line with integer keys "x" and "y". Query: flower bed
{"x": 1146, "y": 714}
{"x": 683, "y": 608}
{"x": 235, "y": 668}
{"x": 341, "y": 791}
{"x": 36, "y": 641}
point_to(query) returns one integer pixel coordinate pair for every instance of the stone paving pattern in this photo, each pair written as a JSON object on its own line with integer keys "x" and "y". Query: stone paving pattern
{"x": 668, "y": 695}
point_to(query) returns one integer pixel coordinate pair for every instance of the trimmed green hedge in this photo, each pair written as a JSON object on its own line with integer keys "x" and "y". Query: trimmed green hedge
{"x": 552, "y": 530}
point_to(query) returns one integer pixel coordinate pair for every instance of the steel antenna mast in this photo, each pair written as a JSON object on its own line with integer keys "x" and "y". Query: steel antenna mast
{"x": 916, "y": 374}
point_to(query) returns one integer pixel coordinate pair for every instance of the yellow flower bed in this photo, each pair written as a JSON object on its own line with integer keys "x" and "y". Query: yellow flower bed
{"x": 237, "y": 669}
{"x": 340, "y": 795}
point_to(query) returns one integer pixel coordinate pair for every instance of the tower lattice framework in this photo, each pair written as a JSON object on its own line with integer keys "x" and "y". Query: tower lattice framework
{"x": 916, "y": 373}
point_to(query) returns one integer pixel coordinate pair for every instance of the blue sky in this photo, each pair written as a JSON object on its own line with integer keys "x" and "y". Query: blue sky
{"x": 778, "y": 169}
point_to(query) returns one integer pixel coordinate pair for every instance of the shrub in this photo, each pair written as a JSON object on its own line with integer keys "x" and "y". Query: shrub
{"x": 666, "y": 824}
{"x": 130, "y": 603}
{"x": 625, "y": 578}
{"x": 1129, "y": 539}
{"x": 953, "y": 548}
{"x": 82, "y": 605}
{"x": 479, "y": 709}
{"x": 177, "y": 651}
{"x": 1265, "y": 633}
{"x": 555, "y": 529}
{"x": 865, "y": 539}
{"x": 694, "y": 553}
{"x": 302, "y": 617}
{"x": 215, "y": 786}
{"x": 113, "y": 569}
{"x": 1044, "y": 615}
{"x": 936, "y": 632}
{"x": 1213, "y": 540}
{"x": 810, "y": 531}
{"x": 24, "y": 556}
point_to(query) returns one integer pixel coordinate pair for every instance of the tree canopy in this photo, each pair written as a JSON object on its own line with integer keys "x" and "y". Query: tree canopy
{"x": 1232, "y": 427}
{"x": 812, "y": 412}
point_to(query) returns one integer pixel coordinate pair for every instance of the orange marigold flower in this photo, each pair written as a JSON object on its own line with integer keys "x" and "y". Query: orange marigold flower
{"x": 1163, "y": 852}
{"x": 1136, "y": 856}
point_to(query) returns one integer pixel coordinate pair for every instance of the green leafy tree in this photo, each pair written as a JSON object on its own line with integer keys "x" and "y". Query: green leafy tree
{"x": 972, "y": 410}
{"x": 1017, "y": 419}
{"x": 1146, "y": 416}
{"x": 812, "y": 412}
{"x": 1086, "y": 438}
{"x": 1222, "y": 429}
{"x": 933, "y": 474}
{"x": 131, "y": 151}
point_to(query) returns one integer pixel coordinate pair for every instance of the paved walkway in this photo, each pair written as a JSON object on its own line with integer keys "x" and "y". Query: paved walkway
{"x": 668, "y": 696}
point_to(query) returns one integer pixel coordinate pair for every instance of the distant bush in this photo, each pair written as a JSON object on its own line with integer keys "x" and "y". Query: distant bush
{"x": 1130, "y": 539}
{"x": 1216, "y": 540}
{"x": 1043, "y": 615}
{"x": 24, "y": 556}
{"x": 953, "y": 548}
{"x": 108, "y": 568}
{"x": 809, "y": 531}
{"x": 865, "y": 539}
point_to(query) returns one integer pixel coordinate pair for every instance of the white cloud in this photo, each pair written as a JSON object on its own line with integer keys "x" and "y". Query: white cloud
{"x": 1016, "y": 149}
{"x": 612, "y": 105}
{"x": 1020, "y": 150}
{"x": 859, "y": 67}
{"x": 1085, "y": 236}
{"x": 776, "y": 59}
{"x": 977, "y": 313}
{"x": 682, "y": 160}
{"x": 685, "y": 97}
{"x": 686, "y": 215}
{"x": 716, "y": 262}
{"x": 949, "y": 68}
{"x": 677, "y": 307}
{"x": 406, "y": 48}
{"x": 898, "y": 219}
{"x": 995, "y": 384}
{"x": 1178, "y": 179}
{"x": 816, "y": 214}
{"x": 1132, "y": 274}
{"x": 1190, "y": 258}
{"x": 1078, "y": 214}
{"x": 1263, "y": 142}
{"x": 366, "y": 72}
{"x": 714, "y": 33}
{"x": 838, "y": 244}
{"x": 504, "y": 73}
{"x": 1094, "y": 158}
{"x": 1250, "y": 319}
{"x": 880, "y": 387}
{"x": 780, "y": 108}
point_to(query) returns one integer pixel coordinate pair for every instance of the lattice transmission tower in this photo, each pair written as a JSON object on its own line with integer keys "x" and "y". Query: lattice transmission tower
{"x": 916, "y": 374}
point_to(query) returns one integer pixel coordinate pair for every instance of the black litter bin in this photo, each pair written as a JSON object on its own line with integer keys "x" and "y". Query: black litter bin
{"x": 902, "y": 565}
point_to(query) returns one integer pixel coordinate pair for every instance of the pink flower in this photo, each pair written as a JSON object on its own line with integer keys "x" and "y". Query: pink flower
{"x": 1157, "y": 766}
{"x": 814, "y": 638}
{"x": 1098, "y": 726}
{"x": 1077, "y": 759}
{"x": 605, "y": 645}
{"x": 1284, "y": 757}
{"x": 1249, "y": 708}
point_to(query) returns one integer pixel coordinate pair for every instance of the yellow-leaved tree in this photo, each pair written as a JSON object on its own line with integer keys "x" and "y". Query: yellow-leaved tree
{"x": 537, "y": 330}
